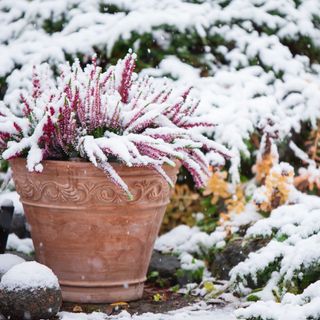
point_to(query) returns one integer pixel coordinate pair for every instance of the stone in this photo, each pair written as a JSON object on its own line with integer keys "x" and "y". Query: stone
{"x": 29, "y": 291}
{"x": 27, "y": 305}
{"x": 7, "y": 261}
{"x": 19, "y": 226}
{"x": 165, "y": 265}
{"x": 234, "y": 252}
{"x": 6, "y": 213}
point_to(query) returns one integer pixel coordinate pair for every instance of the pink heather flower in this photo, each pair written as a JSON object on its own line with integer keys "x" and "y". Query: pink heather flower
{"x": 36, "y": 90}
{"x": 4, "y": 137}
{"x": 186, "y": 93}
{"x": 48, "y": 131}
{"x": 17, "y": 127}
{"x": 26, "y": 109}
{"x": 126, "y": 77}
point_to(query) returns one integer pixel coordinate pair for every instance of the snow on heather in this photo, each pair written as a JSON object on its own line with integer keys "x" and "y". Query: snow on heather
{"x": 115, "y": 114}
{"x": 28, "y": 275}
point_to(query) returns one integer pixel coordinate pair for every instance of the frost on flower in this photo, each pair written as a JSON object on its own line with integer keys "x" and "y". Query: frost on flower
{"x": 106, "y": 116}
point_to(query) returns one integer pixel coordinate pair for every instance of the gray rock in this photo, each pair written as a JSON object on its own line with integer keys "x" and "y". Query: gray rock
{"x": 26, "y": 304}
{"x": 165, "y": 265}
{"x": 233, "y": 253}
{"x": 19, "y": 226}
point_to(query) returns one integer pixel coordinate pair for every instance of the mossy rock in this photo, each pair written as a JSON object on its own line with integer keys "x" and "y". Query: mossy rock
{"x": 234, "y": 252}
{"x": 40, "y": 303}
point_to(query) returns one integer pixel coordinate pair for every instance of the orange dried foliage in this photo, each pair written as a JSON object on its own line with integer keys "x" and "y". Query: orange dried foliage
{"x": 184, "y": 203}
{"x": 219, "y": 188}
{"x": 263, "y": 166}
{"x": 237, "y": 202}
{"x": 276, "y": 190}
{"x": 306, "y": 181}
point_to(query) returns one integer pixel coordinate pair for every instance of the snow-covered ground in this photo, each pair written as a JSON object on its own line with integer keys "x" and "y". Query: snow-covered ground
{"x": 196, "y": 312}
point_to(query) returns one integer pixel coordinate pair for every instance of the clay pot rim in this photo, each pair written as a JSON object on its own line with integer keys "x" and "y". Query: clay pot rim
{"x": 87, "y": 165}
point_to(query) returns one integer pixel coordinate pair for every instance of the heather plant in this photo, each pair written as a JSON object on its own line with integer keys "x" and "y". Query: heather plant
{"x": 108, "y": 116}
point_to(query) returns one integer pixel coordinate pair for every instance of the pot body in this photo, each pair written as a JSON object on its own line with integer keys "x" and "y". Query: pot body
{"x": 97, "y": 241}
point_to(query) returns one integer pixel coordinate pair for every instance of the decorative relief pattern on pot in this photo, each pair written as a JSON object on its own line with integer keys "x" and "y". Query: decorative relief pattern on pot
{"x": 80, "y": 193}
{"x": 35, "y": 190}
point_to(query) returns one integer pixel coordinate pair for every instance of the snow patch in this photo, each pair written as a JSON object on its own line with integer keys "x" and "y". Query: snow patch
{"x": 7, "y": 261}
{"x": 21, "y": 245}
{"x": 29, "y": 275}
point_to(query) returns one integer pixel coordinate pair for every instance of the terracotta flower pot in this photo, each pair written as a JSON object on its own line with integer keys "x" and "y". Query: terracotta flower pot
{"x": 97, "y": 241}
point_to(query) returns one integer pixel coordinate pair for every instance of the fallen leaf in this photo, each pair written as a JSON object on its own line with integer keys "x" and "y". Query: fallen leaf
{"x": 77, "y": 309}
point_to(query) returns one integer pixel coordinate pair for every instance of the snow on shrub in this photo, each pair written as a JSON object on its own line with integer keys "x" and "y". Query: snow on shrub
{"x": 290, "y": 261}
{"x": 247, "y": 59}
{"x": 293, "y": 307}
{"x": 108, "y": 116}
